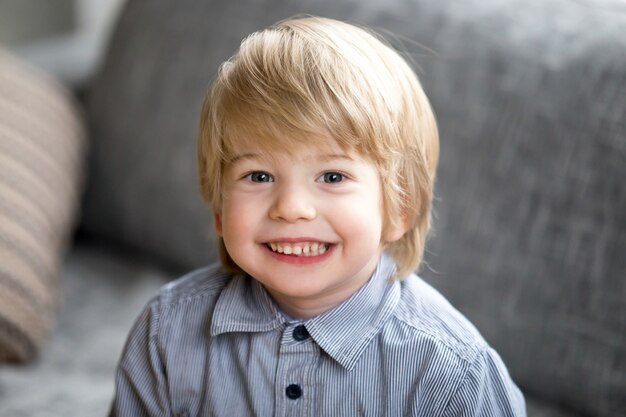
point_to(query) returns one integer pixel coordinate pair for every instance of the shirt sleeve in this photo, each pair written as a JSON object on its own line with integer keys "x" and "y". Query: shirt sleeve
{"x": 487, "y": 390}
{"x": 140, "y": 382}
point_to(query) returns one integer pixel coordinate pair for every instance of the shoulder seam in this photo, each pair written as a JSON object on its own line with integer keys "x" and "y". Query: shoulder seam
{"x": 465, "y": 358}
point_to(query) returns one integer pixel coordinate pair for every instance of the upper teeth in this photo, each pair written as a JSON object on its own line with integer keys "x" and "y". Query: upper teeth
{"x": 302, "y": 249}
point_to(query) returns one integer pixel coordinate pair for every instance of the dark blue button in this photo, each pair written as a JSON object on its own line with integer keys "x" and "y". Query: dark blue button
{"x": 300, "y": 333}
{"x": 294, "y": 391}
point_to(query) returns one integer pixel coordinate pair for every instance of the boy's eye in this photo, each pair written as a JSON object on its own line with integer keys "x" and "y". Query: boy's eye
{"x": 332, "y": 177}
{"x": 260, "y": 177}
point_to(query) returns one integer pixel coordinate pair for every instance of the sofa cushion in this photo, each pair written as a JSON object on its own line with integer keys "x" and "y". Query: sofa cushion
{"x": 41, "y": 143}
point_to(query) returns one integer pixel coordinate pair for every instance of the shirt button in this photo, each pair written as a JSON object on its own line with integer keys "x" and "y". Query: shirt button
{"x": 300, "y": 333}
{"x": 293, "y": 391}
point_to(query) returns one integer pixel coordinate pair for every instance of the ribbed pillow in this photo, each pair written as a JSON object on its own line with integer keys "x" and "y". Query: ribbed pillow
{"x": 41, "y": 149}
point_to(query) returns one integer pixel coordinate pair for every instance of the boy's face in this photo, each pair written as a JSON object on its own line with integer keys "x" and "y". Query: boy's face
{"x": 306, "y": 224}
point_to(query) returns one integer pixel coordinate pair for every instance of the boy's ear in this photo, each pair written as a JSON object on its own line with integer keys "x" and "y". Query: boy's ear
{"x": 395, "y": 231}
{"x": 217, "y": 219}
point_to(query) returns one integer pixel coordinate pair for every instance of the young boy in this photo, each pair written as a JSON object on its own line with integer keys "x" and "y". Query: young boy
{"x": 317, "y": 154}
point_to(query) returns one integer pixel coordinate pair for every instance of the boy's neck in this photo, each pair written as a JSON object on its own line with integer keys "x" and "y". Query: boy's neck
{"x": 304, "y": 308}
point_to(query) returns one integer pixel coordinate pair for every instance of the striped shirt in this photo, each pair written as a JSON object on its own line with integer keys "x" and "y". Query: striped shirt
{"x": 214, "y": 344}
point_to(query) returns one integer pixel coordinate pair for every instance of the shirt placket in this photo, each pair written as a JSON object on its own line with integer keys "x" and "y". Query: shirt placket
{"x": 295, "y": 385}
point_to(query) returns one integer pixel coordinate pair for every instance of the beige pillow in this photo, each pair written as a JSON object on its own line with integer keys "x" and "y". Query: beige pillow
{"x": 41, "y": 153}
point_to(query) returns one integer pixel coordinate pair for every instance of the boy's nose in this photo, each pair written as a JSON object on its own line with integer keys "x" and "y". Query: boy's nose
{"x": 292, "y": 204}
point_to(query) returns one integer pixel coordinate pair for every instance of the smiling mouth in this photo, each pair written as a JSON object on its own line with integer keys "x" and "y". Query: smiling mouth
{"x": 299, "y": 249}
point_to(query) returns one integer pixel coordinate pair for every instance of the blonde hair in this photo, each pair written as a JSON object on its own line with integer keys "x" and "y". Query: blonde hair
{"x": 305, "y": 78}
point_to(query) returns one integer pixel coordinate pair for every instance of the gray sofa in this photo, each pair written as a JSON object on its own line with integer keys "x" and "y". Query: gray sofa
{"x": 530, "y": 232}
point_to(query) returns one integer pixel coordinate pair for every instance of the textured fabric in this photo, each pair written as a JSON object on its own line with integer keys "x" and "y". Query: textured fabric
{"x": 215, "y": 344}
{"x": 41, "y": 143}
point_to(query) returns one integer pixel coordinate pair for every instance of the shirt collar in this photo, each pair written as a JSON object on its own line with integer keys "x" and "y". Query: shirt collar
{"x": 343, "y": 332}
